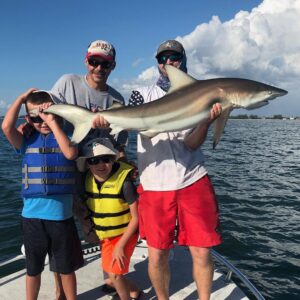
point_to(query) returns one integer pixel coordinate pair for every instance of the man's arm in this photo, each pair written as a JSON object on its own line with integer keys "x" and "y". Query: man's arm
{"x": 198, "y": 135}
{"x": 9, "y": 122}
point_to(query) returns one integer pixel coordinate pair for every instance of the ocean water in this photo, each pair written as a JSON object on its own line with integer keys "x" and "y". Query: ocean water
{"x": 256, "y": 174}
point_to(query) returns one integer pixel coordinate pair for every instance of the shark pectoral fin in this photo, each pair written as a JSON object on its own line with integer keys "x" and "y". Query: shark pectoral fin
{"x": 219, "y": 125}
{"x": 149, "y": 133}
{"x": 80, "y": 131}
{"x": 257, "y": 105}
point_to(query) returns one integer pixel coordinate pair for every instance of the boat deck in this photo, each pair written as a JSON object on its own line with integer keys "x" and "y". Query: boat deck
{"x": 90, "y": 279}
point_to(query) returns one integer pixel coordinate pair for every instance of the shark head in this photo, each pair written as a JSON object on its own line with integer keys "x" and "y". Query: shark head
{"x": 251, "y": 94}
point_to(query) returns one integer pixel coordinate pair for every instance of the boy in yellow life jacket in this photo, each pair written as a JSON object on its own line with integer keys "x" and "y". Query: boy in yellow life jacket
{"x": 112, "y": 202}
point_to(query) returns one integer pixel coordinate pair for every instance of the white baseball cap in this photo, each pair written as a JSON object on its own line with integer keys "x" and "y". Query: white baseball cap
{"x": 101, "y": 48}
{"x": 95, "y": 147}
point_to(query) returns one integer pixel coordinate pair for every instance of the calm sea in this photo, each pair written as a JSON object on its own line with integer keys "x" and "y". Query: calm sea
{"x": 256, "y": 173}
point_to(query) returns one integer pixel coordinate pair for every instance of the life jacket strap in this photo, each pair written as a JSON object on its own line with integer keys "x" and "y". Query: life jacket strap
{"x": 106, "y": 228}
{"x": 47, "y": 169}
{"x": 48, "y": 181}
{"x": 43, "y": 150}
{"x": 25, "y": 180}
{"x": 107, "y": 215}
{"x": 101, "y": 195}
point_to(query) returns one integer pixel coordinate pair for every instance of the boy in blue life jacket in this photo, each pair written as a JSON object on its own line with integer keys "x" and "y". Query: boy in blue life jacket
{"x": 112, "y": 201}
{"x": 47, "y": 187}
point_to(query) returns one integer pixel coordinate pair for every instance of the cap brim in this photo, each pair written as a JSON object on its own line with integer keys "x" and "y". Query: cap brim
{"x": 81, "y": 163}
{"x": 106, "y": 57}
{"x": 54, "y": 98}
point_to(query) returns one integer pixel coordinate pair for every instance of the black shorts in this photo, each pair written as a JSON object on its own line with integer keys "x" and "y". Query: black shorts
{"x": 58, "y": 239}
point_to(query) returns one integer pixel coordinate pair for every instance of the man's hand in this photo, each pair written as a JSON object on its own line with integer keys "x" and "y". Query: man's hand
{"x": 215, "y": 112}
{"x": 99, "y": 121}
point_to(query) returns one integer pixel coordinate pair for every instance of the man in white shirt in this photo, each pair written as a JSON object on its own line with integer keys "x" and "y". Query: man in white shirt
{"x": 175, "y": 188}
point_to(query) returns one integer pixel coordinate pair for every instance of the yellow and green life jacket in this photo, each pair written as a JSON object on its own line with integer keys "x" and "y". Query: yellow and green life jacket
{"x": 109, "y": 211}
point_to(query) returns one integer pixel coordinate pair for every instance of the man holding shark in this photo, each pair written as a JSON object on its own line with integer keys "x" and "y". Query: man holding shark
{"x": 175, "y": 188}
{"x": 94, "y": 93}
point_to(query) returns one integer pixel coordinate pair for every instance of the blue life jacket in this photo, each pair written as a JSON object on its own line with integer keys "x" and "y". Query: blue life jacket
{"x": 45, "y": 170}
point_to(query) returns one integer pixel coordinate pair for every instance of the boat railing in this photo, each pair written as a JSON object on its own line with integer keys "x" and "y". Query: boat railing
{"x": 231, "y": 269}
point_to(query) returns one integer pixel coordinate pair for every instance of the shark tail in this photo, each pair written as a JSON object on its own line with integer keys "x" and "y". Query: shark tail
{"x": 79, "y": 117}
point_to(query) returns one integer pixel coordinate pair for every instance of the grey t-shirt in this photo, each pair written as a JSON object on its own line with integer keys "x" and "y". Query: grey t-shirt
{"x": 74, "y": 89}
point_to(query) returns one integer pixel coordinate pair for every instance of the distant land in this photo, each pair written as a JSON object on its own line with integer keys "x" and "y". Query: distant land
{"x": 253, "y": 117}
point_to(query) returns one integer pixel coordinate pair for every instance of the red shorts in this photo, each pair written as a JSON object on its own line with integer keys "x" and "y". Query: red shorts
{"x": 194, "y": 208}
{"x": 108, "y": 246}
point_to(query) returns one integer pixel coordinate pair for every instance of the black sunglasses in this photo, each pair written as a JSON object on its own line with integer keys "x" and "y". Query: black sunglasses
{"x": 105, "y": 159}
{"x": 104, "y": 64}
{"x": 36, "y": 119}
{"x": 162, "y": 59}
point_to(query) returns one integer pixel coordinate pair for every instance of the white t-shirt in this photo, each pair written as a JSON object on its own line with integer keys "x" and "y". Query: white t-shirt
{"x": 164, "y": 162}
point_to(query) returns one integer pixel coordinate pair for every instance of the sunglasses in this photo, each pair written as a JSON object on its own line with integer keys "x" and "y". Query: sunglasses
{"x": 104, "y": 64}
{"x": 36, "y": 119}
{"x": 99, "y": 159}
{"x": 162, "y": 59}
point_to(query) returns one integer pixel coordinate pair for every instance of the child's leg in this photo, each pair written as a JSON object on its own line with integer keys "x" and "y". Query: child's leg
{"x": 134, "y": 291}
{"x": 69, "y": 285}
{"x": 121, "y": 285}
{"x": 59, "y": 295}
{"x": 125, "y": 288}
{"x": 33, "y": 284}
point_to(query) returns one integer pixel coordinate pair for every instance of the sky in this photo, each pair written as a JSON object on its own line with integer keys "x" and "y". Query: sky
{"x": 254, "y": 39}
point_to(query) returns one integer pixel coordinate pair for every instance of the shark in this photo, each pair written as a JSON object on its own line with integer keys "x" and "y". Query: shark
{"x": 187, "y": 104}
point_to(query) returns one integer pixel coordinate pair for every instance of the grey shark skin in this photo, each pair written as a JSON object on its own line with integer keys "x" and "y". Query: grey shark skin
{"x": 187, "y": 104}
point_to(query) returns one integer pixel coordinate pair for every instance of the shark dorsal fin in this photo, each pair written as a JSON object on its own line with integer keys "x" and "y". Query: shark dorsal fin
{"x": 178, "y": 78}
{"x": 115, "y": 105}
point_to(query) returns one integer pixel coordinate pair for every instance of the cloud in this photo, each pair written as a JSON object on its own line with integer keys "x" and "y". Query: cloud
{"x": 147, "y": 77}
{"x": 3, "y": 106}
{"x": 263, "y": 45}
{"x": 137, "y": 62}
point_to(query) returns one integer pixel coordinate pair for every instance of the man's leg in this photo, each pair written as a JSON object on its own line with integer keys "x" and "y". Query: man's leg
{"x": 33, "y": 284}
{"x": 203, "y": 271}
{"x": 159, "y": 272}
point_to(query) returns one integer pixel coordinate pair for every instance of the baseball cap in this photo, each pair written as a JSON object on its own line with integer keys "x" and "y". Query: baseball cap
{"x": 95, "y": 147}
{"x": 101, "y": 48}
{"x": 170, "y": 45}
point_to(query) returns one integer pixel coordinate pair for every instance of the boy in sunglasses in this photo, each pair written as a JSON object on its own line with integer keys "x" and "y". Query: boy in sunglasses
{"x": 48, "y": 182}
{"x": 111, "y": 198}
{"x": 174, "y": 183}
